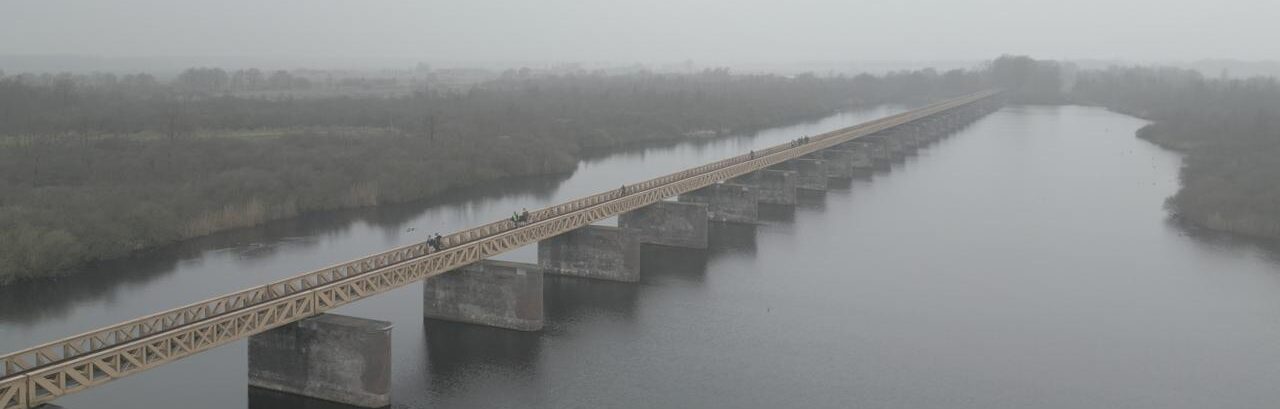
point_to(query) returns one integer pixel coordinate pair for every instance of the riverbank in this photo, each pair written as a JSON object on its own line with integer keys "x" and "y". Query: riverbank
{"x": 289, "y": 174}
{"x": 1227, "y": 131}
{"x": 161, "y": 192}
{"x": 1227, "y": 186}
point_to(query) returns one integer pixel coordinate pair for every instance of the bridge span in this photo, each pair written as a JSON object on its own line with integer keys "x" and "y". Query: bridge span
{"x": 287, "y": 316}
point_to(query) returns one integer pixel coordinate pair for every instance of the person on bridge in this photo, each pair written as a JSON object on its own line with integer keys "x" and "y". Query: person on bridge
{"x": 622, "y": 191}
{"x": 524, "y": 215}
{"x": 751, "y": 155}
{"x": 432, "y": 243}
{"x": 439, "y": 242}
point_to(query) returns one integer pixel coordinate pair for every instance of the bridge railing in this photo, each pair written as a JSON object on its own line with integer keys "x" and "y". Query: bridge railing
{"x": 341, "y": 275}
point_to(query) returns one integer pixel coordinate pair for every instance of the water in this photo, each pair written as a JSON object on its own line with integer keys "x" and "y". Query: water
{"x": 1026, "y": 262}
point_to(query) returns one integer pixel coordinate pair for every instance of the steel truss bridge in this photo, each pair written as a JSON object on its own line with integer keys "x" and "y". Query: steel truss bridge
{"x": 40, "y": 374}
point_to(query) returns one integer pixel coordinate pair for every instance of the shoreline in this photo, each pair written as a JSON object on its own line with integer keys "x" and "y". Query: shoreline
{"x": 586, "y": 154}
{"x": 1251, "y": 226}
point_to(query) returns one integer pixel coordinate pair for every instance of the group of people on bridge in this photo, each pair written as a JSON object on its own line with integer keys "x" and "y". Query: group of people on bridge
{"x": 435, "y": 243}
{"x": 520, "y": 218}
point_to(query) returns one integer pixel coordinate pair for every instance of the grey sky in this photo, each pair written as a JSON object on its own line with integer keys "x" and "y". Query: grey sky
{"x": 646, "y": 31}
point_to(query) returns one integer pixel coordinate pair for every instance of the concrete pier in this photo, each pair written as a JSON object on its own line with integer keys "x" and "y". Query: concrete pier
{"x": 495, "y": 293}
{"x": 896, "y": 140}
{"x": 811, "y": 174}
{"x": 331, "y": 357}
{"x": 590, "y": 252}
{"x": 925, "y": 132}
{"x": 613, "y": 253}
{"x": 839, "y": 162}
{"x": 729, "y": 203}
{"x": 672, "y": 224}
{"x": 877, "y": 153}
{"x": 859, "y": 161}
{"x": 910, "y": 139}
{"x": 897, "y": 151}
{"x": 771, "y": 186}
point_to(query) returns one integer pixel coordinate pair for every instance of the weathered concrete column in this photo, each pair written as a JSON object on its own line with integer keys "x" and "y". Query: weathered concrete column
{"x": 811, "y": 174}
{"x": 726, "y": 202}
{"x": 926, "y": 133}
{"x": 919, "y": 136}
{"x": 771, "y": 186}
{"x": 839, "y": 162}
{"x": 672, "y": 224}
{"x": 899, "y": 139}
{"x": 860, "y": 163}
{"x": 878, "y": 154}
{"x": 496, "y": 293}
{"x": 613, "y": 253}
{"x": 939, "y": 124}
{"x": 948, "y": 122}
{"x": 329, "y": 356}
{"x": 590, "y": 252}
{"x": 893, "y": 145}
{"x": 910, "y": 135}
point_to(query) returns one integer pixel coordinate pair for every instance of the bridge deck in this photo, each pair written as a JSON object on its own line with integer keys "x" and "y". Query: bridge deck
{"x": 40, "y": 374}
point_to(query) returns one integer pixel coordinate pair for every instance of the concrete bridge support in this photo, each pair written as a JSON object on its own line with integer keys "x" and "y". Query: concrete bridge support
{"x": 729, "y": 203}
{"x": 878, "y": 154}
{"x": 859, "y": 161}
{"x": 897, "y": 151}
{"x": 496, "y": 293}
{"x": 811, "y": 174}
{"x": 613, "y": 253}
{"x": 949, "y": 122}
{"x": 589, "y": 252}
{"x": 916, "y": 137}
{"x": 671, "y": 224}
{"x": 924, "y": 132}
{"x": 839, "y": 162}
{"x": 905, "y": 139}
{"x": 329, "y": 356}
{"x": 932, "y": 129}
{"x": 772, "y": 186}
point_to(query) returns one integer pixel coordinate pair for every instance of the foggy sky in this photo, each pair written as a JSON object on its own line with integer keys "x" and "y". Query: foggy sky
{"x": 646, "y": 31}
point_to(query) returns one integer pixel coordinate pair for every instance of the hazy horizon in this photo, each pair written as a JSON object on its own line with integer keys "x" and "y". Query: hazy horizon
{"x": 654, "y": 32}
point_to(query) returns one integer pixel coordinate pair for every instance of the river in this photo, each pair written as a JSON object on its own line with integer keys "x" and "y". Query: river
{"x": 1026, "y": 262}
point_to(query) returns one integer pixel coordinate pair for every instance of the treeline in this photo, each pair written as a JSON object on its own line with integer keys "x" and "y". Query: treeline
{"x": 50, "y": 106}
{"x": 1030, "y": 81}
{"x": 216, "y": 80}
{"x": 94, "y": 168}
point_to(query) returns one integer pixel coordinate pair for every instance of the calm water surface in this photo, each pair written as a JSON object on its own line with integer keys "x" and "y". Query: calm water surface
{"x": 1027, "y": 262}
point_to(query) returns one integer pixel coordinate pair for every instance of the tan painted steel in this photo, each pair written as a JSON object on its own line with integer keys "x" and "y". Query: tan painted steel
{"x": 40, "y": 374}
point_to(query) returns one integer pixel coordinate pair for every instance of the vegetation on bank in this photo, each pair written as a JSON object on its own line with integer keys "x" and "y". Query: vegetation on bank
{"x": 97, "y": 167}
{"x": 1228, "y": 130}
